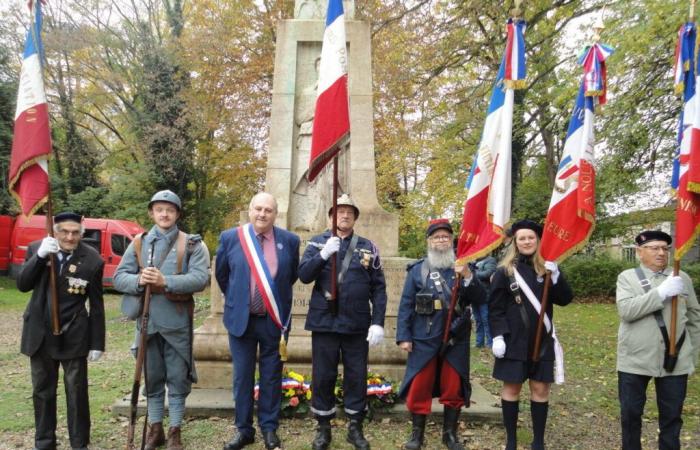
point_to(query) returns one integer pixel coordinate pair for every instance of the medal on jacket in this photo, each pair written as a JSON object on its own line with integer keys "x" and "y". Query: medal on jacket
{"x": 365, "y": 258}
{"x": 283, "y": 348}
{"x": 72, "y": 268}
{"x": 76, "y": 285}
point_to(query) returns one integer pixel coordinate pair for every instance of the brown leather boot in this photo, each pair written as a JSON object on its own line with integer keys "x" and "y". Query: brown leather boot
{"x": 174, "y": 439}
{"x": 155, "y": 436}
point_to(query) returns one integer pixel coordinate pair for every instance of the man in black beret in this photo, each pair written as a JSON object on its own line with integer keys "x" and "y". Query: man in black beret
{"x": 78, "y": 273}
{"x": 644, "y": 306}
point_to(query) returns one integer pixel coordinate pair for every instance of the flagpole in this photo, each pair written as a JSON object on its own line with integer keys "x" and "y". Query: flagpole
{"x": 333, "y": 300}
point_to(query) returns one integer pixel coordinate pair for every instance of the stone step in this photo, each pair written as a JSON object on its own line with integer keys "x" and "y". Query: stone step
{"x": 219, "y": 403}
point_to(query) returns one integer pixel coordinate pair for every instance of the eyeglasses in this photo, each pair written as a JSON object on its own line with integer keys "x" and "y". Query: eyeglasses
{"x": 68, "y": 232}
{"x": 441, "y": 237}
{"x": 657, "y": 248}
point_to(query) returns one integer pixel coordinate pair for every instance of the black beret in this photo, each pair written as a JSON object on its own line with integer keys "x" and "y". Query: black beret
{"x": 439, "y": 224}
{"x": 67, "y": 217}
{"x": 526, "y": 224}
{"x": 652, "y": 235}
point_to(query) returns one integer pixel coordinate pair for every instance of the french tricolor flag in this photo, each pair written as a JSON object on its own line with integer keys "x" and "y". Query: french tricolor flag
{"x": 571, "y": 214}
{"x": 331, "y": 128}
{"x": 487, "y": 208}
{"x": 31, "y": 144}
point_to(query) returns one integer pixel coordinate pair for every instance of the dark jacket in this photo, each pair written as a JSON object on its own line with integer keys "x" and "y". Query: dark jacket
{"x": 506, "y": 319}
{"x": 426, "y": 331}
{"x": 87, "y": 329}
{"x": 361, "y": 296}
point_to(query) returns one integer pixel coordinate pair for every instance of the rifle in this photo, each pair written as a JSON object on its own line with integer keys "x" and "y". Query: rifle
{"x": 446, "y": 340}
{"x": 140, "y": 359}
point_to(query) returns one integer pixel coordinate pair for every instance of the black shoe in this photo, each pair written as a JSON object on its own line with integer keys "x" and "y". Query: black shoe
{"x": 355, "y": 436}
{"x": 449, "y": 429}
{"x": 271, "y": 440}
{"x": 322, "y": 440}
{"x": 417, "y": 434}
{"x": 238, "y": 442}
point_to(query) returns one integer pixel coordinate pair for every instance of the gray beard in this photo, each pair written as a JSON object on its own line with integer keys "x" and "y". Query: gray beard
{"x": 441, "y": 259}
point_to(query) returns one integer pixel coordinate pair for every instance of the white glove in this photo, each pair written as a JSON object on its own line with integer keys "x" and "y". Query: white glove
{"x": 48, "y": 245}
{"x": 94, "y": 355}
{"x": 332, "y": 246}
{"x": 554, "y": 269}
{"x": 375, "y": 335}
{"x": 671, "y": 286}
{"x": 498, "y": 347}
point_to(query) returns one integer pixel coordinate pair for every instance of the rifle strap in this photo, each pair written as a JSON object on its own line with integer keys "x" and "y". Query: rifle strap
{"x": 428, "y": 273}
{"x": 348, "y": 257}
{"x": 646, "y": 286}
{"x": 180, "y": 241}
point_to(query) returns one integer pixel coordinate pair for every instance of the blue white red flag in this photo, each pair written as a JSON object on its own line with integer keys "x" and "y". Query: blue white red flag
{"x": 331, "y": 128}
{"x": 487, "y": 207}
{"x": 685, "y": 165}
{"x": 571, "y": 216}
{"x": 31, "y": 144}
{"x": 261, "y": 274}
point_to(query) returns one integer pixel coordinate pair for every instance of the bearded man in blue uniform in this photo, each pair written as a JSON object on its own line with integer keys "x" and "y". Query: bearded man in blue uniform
{"x": 436, "y": 369}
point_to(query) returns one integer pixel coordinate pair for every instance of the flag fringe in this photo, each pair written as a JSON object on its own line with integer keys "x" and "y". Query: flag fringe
{"x": 25, "y": 165}
{"x": 37, "y": 206}
{"x": 679, "y": 88}
{"x": 515, "y": 84}
{"x": 683, "y": 249}
{"x": 339, "y": 145}
{"x": 693, "y": 187}
{"x": 484, "y": 251}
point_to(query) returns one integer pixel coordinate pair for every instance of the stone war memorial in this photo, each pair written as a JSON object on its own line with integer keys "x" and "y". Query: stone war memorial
{"x": 303, "y": 208}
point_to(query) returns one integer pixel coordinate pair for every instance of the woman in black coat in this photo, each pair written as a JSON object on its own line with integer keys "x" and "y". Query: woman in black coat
{"x": 513, "y": 319}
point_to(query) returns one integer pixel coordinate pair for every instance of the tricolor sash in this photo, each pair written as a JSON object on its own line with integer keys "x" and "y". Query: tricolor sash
{"x": 261, "y": 274}
{"x": 558, "y": 349}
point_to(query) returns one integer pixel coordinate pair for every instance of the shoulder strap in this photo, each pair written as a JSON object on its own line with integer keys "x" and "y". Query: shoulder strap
{"x": 180, "y": 246}
{"x": 346, "y": 260}
{"x": 138, "y": 241}
{"x": 646, "y": 286}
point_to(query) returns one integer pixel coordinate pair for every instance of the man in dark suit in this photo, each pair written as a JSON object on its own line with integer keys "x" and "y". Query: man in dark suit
{"x": 256, "y": 266}
{"x": 78, "y": 279}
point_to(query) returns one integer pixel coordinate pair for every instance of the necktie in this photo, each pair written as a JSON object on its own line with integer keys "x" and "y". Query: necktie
{"x": 63, "y": 257}
{"x": 256, "y": 306}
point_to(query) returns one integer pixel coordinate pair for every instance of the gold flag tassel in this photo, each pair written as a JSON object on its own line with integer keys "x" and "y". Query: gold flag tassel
{"x": 283, "y": 348}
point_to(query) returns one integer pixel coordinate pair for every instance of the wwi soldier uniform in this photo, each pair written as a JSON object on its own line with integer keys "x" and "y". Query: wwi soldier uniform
{"x": 433, "y": 369}
{"x": 78, "y": 279}
{"x": 361, "y": 304}
{"x": 169, "y": 350}
{"x": 644, "y": 306}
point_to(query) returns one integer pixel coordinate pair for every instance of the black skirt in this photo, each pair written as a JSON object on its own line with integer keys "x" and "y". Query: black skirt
{"x": 513, "y": 371}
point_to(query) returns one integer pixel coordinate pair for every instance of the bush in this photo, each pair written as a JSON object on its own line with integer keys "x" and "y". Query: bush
{"x": 594, "y": 276}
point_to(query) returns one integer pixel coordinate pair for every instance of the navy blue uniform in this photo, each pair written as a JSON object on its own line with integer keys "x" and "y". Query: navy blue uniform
{"x": 361, "y": 302}
{"x": 426, "y": 331}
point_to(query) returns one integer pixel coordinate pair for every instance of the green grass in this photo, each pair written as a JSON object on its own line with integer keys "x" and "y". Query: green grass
{"x": 10, "y": 298}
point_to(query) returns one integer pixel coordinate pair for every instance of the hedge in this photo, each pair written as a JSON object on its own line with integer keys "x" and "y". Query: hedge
{"x": 595, "y": 277}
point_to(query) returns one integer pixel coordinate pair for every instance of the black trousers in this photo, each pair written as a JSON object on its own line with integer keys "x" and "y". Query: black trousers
{"x": 670, "y": 395}
{"x": 44, "y": 384}
{"x": 327, "y": 350}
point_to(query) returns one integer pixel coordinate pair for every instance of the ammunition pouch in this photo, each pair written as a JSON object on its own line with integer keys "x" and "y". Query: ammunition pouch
{"x": 425, "y": 304}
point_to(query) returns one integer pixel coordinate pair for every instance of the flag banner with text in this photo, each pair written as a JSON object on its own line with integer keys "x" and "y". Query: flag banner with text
{"x": 687, "y": 201}
{"x": 331, "y": 127}
{"x": 571, "y": 215}
{"x": 31, "y": 143}
{"x": 487, "y": 207}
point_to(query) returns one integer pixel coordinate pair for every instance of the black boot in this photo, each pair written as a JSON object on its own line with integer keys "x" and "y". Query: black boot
{"x": 355, "y": 436}
{"x": 323, "y": 436}
{"x": 510, "y": 422}
{"x": 449, "y": 429}
{"x": 538, "y": 412}
{"x": 418, "y": 433}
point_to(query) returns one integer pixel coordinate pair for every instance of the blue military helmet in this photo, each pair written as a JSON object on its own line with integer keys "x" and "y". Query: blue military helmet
{"x": 166, "y": 196}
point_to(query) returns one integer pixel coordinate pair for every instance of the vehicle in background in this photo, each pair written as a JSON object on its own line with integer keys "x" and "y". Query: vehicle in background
{"x": 110, "y": 237}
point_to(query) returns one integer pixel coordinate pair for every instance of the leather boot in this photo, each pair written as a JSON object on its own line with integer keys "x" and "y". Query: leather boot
{"x": 174, "y": 439}
{"x": 417, "y": 434}
{"x": 323, "y": 436}
{"x": 355, "y": 436}
{"x": 155, "y": 436}
{"x": 449, "y": 429}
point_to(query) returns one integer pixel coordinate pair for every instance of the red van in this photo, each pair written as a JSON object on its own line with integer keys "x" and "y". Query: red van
{"x": 110, "y": 237}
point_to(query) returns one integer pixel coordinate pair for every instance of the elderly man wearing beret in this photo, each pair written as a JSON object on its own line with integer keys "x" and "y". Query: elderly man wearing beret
{"x": 644, "y": 306}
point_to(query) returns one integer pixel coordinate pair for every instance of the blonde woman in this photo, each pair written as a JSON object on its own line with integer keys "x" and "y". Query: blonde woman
{"x": 516, "y": 293}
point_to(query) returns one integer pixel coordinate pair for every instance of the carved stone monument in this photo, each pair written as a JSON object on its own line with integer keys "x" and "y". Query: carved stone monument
{"x": 303, "y": 208}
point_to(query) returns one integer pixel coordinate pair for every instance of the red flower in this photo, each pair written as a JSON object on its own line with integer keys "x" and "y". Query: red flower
{"x": 294, "y": 402}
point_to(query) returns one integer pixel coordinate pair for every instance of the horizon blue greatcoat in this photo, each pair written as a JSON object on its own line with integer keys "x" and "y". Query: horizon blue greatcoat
{"x": 426, "y": 331}
{"x": 246, "y": 332}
